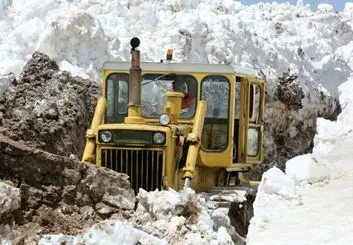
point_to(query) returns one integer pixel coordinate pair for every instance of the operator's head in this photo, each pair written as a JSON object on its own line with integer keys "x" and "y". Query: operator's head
{"x": 179, "y": 86}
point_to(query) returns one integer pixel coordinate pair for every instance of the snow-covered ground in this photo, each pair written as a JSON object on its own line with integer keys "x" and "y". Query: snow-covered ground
{"x": 311, "y": 202}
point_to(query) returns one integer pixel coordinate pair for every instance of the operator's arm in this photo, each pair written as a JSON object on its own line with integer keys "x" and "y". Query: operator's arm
{"x": 189, "y": 107}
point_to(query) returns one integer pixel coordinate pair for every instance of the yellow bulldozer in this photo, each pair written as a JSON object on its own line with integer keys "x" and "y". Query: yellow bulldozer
{"x": 177, "y": 125}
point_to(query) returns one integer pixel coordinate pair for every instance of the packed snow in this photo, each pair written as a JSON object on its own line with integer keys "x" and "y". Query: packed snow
{"x": 308, "y": 204}
{"x": 311, "y": 202}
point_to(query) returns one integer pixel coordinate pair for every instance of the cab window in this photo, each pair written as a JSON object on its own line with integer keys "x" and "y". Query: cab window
{"x": 117, "y": 97}
{"x": 254, "y": 116}
{"x": 255, "y": 96}
{"x": 215, "y": 90}
{"x": 154, "y": 87}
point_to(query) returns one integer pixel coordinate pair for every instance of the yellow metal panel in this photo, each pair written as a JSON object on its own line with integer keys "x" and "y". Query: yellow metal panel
{"x": 195, "y": 140}
{"x": 92, "y": 132}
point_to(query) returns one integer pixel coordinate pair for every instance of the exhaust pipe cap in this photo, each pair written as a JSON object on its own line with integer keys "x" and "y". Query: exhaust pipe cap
{"x": 135, "y": 42}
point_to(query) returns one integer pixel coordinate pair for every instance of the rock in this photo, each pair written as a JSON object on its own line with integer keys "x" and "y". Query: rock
{"x": 86, "y": 212}
{"x": 52, "y": 112}
{"x": 60, "y": 193}
{"x": 32, "y": 197}
{"x": 289, "y": 91}
{"x": 111, "y": 187}
{"x": 10, "y": 201}
{"x": 69, "y": 194}
{"x": 104, "y": 209}
{"x": 119, "y": 201}
{"x": 38, "y": 103}
{"x": 6, "y": 234}
{"x": 68, "y": 209}
{"x": 2, "y": 98}
{"x": 279, "y": 28}
{"x": 51, "y": 195}
{"x": 72, "y": 176}
{"x": 220, "y": 217}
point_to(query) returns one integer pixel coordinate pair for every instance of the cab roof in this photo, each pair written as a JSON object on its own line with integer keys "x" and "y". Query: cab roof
{"x": 181, "y": 67}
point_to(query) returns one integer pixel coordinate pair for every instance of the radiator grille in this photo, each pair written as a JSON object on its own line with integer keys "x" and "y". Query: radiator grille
{"x": 144, "y": 166}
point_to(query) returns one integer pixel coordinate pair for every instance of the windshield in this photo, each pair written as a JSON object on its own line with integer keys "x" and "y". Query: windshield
{"x": 153, "y": 89}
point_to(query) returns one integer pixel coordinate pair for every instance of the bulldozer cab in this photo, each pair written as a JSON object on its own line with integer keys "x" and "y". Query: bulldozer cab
{"x": 200, "y": 122}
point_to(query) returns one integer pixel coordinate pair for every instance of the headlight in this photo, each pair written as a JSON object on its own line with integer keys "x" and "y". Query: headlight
{"x": 106, "y": 136}
{"x": 164, "y": 119}
{"x": 158, "y": 138}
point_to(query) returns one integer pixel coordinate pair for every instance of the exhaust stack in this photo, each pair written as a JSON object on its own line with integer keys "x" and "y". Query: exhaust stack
{"x": 134, "y": 107}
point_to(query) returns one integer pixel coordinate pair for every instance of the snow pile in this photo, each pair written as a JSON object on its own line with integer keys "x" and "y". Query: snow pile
{"x": 275, "y": 181}
{"x": 319, "y": 211}
{"x": 10, "y": 200}
{"x": 71, "y": 37}
{"x": 162, "y": 217}
{"x": 306, "y": 168}
{"x": 107, "y": 232}
{"x": 271, "y": 37}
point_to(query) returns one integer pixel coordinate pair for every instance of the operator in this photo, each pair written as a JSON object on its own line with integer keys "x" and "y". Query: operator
{"x": 188, "y": 101}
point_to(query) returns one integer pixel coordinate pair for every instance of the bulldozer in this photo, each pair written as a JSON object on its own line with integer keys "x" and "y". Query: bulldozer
{"x": 177, "y": 125}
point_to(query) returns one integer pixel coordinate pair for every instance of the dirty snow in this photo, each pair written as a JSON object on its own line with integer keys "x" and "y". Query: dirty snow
{"x": 159, "y": 214}
{"x": 106, "y": 232}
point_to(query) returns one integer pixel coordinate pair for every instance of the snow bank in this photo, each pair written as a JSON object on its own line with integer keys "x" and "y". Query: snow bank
{"x": 323, "y": 196}
{"x": 323, "y": 178}
{"x": 306, "y": 169}
{"x": 270, "y": 37}
{"x": 275, "y": 181}
{"x": 337, "y": 137}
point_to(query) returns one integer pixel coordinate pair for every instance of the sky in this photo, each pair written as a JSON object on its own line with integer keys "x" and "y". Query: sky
{"x": 337, "y": 4}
